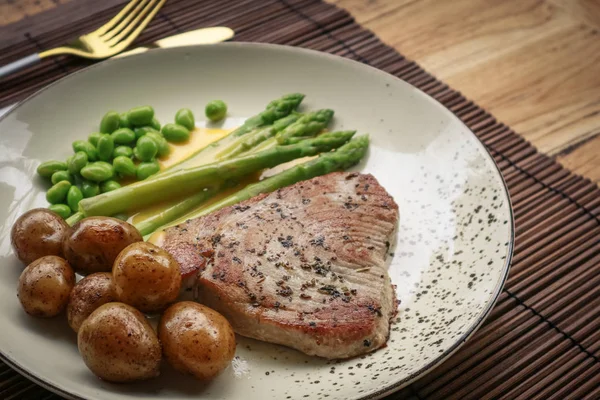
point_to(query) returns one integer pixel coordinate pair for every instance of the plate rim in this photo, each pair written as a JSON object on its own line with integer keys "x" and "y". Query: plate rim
{"x": 389, "y": 389}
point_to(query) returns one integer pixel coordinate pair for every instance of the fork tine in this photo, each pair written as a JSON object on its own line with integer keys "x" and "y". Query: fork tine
{"x": 104, "y": 28}
{"x": 125, "y": 31}
{"x": 125, "y": 21}
{"x": 121, "y": 41}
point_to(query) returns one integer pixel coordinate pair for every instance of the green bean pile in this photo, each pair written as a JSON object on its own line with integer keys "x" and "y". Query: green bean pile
{"x": 126, "y": 147}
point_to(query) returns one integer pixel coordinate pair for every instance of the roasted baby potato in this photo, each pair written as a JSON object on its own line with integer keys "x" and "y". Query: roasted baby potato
{"x": 95, "y": 242}
{"x": 37, "y": 233}
{"x": 88, "y": 294}
{"x": 146, "y": 277}
{"x": 118, "y": 344}
{"x": 196, "y": 339}
{"x": 44, "y": 286}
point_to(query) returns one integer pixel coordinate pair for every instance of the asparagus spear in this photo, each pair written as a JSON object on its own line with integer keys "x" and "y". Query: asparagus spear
{"x": 294, "y": 124}
{"x": 305, "y": 125}
{"x": 344, "y": 157}
{"x": 254, "y": 138}
{"x": 176, "y": 210}
{"x": 73, "y": 219}
{"x": 185, "y": 181}
{"x": 308, "y": 125}
{"x": 274, "y": 111}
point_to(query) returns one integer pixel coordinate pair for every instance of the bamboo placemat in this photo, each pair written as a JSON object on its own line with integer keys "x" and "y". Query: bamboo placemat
{"x": 542, "y": 340}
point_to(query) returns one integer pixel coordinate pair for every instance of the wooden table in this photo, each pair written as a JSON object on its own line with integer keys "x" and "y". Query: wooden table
{"x": 534, "y": 64}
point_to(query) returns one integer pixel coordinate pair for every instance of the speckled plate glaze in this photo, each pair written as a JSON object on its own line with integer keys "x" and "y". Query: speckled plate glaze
{"x": 449, "y": 261}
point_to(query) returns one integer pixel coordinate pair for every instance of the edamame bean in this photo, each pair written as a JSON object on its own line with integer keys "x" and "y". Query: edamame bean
{"x": 185, "y": 117}
{"x": 136, "y": 155}
{"x": 142, "y": 130}
{"x": 155, "y": 124}
{"x": 123, "y": 136}
{"x": 106, "y": 146}
{"x": 68, "y": 160}
{"x": 74, "y": 196}
{"x": 146, "y": 148}
{"x": 145, "y": 169}
{"x": 58, "y": 193}
{"x": 61, "y": 209}
{"x": 98, "y": 171}
{"x": 77, "y": 161}
{"x": 87, "y": 148}
{"x": 216, "y": 110}
{"x": 175, "y": 133}
{"x": 140, "y": 116}
{"x": 93, "y": 138}
{"x": 110, "y": 122}
{"x": 109, "y": 186}
{"x": 77, "y": 180}
{"x": 48, "y": 168}
{"x": 89, "y": 189}
{"x": 163, "y": 146}
{"x": 59, "y": 176}
{"x": 124, "y": 151}
{"x": 124, "y": 167}
{"x": 124, "y": 121}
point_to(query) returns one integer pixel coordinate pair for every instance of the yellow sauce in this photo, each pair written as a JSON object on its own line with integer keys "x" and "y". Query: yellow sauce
{"x": 157, "y": 238}
{"x": 153, "y": 210}
{"x": 199, "y": 139}
{"x": 181, "y": 156}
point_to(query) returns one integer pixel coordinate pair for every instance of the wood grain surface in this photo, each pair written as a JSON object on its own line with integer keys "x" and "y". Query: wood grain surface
{"x": 534, "y": 64}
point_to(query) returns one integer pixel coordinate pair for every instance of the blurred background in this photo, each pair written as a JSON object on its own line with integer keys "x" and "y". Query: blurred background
{"x": 534, "y": 64}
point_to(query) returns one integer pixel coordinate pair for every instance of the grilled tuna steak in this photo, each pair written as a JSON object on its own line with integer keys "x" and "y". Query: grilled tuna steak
{"x": 302, "y": 267}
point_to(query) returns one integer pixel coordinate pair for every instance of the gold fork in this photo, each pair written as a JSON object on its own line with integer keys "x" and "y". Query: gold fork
{"x": 110, "y": 39}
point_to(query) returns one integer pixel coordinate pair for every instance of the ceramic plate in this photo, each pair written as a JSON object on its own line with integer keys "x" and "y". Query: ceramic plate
{"x": 449, "y": 261}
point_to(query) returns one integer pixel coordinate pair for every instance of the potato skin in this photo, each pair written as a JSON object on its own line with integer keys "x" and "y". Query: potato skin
{"x": 118, "y": 344}
{"x": 88, "y": 294}
{"x": 37, "y": 233}
{"x": 196, "y": 339}
{"x": 146, "y": 277}
{"x": 45, "y": 285}
{"x": 95, "y": 242}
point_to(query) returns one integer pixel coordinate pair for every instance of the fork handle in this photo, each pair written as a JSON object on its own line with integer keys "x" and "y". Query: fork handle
{"x": 15, "y": 66}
